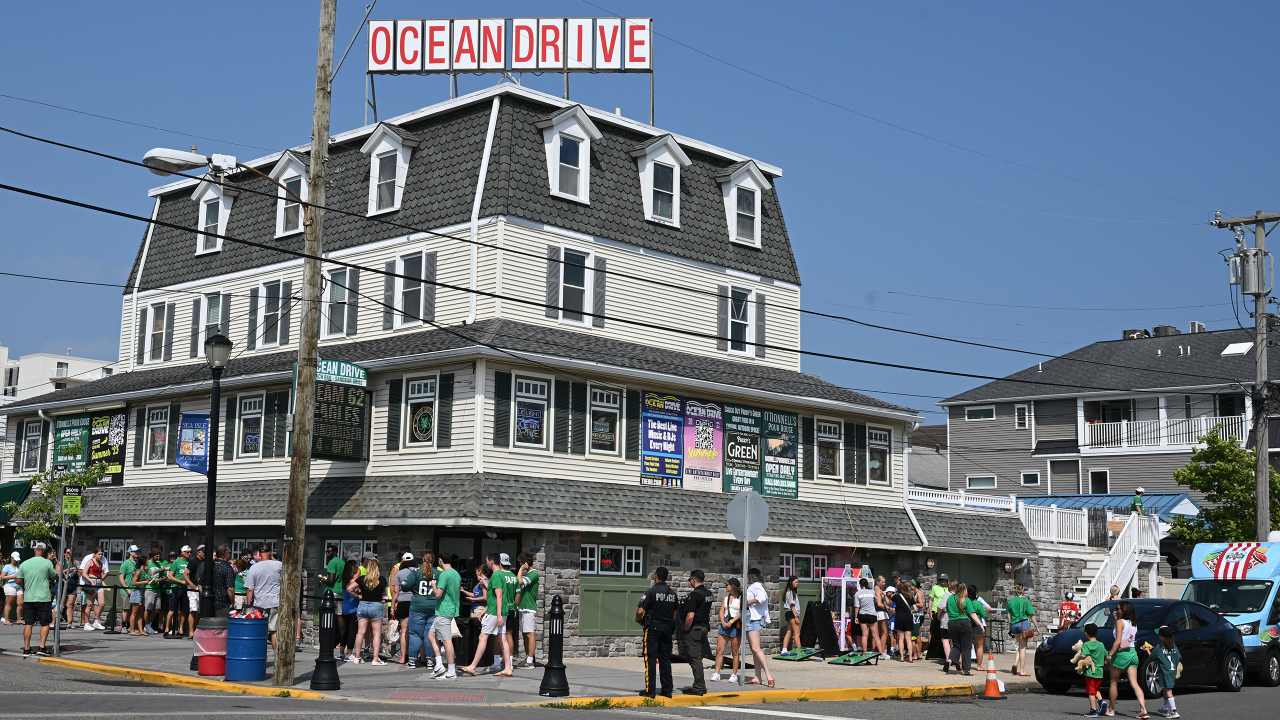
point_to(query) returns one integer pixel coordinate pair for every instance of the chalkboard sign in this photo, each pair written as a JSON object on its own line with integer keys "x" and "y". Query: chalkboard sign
{"x": 341, "y": 431}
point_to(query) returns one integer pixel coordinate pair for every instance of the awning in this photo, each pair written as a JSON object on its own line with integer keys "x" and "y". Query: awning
{"x": 14, "y": 491}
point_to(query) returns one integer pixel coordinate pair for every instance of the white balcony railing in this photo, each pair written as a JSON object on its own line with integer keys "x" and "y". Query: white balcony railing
{"x": 1056, "y": 525}
{"x": 59, "y": 372}
{"x": 1004, "y": 503}
{"x": 1154, "y": 433}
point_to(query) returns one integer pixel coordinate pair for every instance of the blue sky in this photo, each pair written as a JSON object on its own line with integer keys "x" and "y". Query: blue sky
{"x": 1151, "y": 98}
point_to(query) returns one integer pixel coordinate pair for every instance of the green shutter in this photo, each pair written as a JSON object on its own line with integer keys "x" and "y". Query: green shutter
{"x": 578, "y": 442}
{"x": 807, "y": 447}
{"x": 502, "y": 409}
{"x": 394, "y": 411}
{"x": 139, "y": 436}
{"x": 560, "y": 440}
{"x": 633, "y": 424}
{"x": 229, "y": 431}
{"x": 444, "y": 409}
{"x": 175, "y": 421}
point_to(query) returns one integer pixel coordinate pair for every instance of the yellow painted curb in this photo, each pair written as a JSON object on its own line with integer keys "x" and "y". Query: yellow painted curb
{"x": 776, "y": 696}
{"x": 200, "y": 683}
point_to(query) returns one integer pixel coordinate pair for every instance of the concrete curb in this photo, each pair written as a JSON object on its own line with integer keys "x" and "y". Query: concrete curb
{"x": 200, "y": 683}
{"x": 775, "y": 696}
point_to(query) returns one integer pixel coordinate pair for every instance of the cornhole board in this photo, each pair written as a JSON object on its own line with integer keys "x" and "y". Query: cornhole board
{"x": 798, "y": 654}
{"x": 856, "y": 657}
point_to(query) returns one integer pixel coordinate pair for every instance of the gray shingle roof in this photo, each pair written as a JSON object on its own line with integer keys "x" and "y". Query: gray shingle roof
{"x": 440, "y": 188}
{"x": 506, "y": 334}
{"x": 1146, "y": 363}
{"x": 992, "y": 533}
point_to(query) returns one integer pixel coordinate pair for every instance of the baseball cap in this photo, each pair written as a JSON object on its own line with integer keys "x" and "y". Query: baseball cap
{"x": 133, "y": 548}
{"x": 369, "y": 556}
{"x": 891, "y": 589}
{"x": 506, "y": 560}
{"x": 407, "y": 556}
{"x": 199, "y": 548}
{"x": 15, "y": 555}
{"x": 1140, "y": 491}
{"x": 1166, "y": 631}
{"x": 944, "y": 576}
{"x": 186, "y": 548}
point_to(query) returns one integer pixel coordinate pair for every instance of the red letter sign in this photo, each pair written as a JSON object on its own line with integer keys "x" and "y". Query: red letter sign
{"x": 493, "y": 45}
{"x": 524, "y": 44}
{"x": 608, "y": 45}
{"x": 577, "y": 44}
{"x": 638, "y": 45}
{"x": 465, "y": 34}
{"x": 408, "y": 46}
{"x": 436, "y": 52}
{"x": 381, "y": 46}
{"x": 550, "y": 56}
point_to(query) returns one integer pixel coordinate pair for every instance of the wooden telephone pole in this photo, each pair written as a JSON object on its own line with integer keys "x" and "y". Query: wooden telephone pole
{"x": 295, "y": 521}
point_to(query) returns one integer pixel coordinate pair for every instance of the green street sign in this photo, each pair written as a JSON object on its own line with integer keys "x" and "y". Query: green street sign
{"x": 70, "y": 504}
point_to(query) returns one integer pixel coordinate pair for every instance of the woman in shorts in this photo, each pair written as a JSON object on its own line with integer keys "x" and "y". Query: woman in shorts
{"x": 12, "y": 590}
{"x": 1022, "y": 617}
{"x": 791, "y": 613}
{"x": 865, "y": 601}
{"x": 730, "y": 632}
{"x": 1123, "y": 657}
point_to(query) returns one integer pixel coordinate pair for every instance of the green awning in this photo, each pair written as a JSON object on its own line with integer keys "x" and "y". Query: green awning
{"x": 15, "y": 491}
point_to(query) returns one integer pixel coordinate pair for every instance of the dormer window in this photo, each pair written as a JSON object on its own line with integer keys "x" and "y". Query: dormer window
{"x": 215, "y": 205}
{"x": 389, "y": 149}
{"x": 567, "y": 137}
{"x": 660, "y": 163}
{"x": 209, "y": 239}
{"x": 289, "y": 171}
{"x": 742, "y": 185}
{"x": 292, "y": 208}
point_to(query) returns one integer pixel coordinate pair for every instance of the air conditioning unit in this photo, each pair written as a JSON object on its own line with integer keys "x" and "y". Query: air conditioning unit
{"x": 1135, "y": 334}
{"x": 1166, "y": 331}
{"x": 1196, "y": 327}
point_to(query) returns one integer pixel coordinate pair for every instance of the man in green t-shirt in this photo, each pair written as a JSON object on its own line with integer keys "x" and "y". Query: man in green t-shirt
{"x": 133, "y": 598}
{"x": 447, "y": 586}
{"x": 34, "y": 575}
{"x": 177, "y": 593}
{"x": 527, "y": 603}
{"x": 334, "y": 568}
{"x": 153, "y": 597}
{"x": 937, "y": 593}
{"x": 1135, "y": 505}
{"x": 495, "y": 618}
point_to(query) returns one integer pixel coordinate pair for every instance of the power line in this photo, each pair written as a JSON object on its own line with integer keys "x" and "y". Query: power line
{"x": 988, "y": 322}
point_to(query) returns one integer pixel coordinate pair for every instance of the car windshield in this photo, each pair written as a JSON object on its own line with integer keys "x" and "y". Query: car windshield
{"x": 1229, "y": 596}
{"x": 1104, "y": 616}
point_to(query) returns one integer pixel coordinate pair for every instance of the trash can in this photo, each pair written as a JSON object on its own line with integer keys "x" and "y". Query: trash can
{"x": 246, "y": 649}
{"x": 211, "y": 646}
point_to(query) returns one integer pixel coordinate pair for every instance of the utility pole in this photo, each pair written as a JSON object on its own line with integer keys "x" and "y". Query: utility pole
{"x": 295, "y": 521}
{"x": 1249, "y": 270}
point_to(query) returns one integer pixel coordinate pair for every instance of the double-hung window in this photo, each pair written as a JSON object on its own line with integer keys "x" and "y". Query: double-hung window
{"x": 31, "y": 447}
{"x": 270, "y": 322}
{"x": 249, "y": 441}
{"x": 335, "y": 323}
{"x": 292, "y": 220}
{"x": 746, "y": 228}
{"x": 573, "y": 286}
{"x": 570, "y": 166}
{"x": 606, "y": 405}
{"x": 212, "y": 210}
{"x": 1021, "y": 417}
{"x": 385, "y": 197}
{"x": 828, "y": 451}
{"x": 212, "y": 317}
{"x": 531, "y": 412}
{"x": 420, "y": 408}
{"x": 155, "y": 334}
{"x": 157, "y": 435}
{"x": 664, "y": 186}
{"x": 739, "y": 319}
{"x": 410, "y": 289}
{"x": 878, "y": 470}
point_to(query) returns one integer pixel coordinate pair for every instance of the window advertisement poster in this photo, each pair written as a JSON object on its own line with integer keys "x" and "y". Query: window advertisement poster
{"x": 193, "y": 442}
{"x": 781, "y": 440}
{"x": 87, "y": 439}
{"x": 703, "y": 444}
{"x": 743, "y": 430}
{"x": 661, "y": 449}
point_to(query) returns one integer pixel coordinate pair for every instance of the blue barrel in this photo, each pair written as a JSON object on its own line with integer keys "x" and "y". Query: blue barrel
{"x": 246, "y": 649}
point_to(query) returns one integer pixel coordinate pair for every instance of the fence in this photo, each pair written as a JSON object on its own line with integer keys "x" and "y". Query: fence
{"x": 963, "y": 500}
{"x": 1056, "y": 525}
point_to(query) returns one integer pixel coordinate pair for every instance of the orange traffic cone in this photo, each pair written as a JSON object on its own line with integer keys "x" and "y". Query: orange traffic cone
{"x": 992, "y": 692}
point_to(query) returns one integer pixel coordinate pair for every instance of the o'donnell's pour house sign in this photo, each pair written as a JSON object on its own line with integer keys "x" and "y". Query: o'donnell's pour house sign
{"x": 503, "y": 45}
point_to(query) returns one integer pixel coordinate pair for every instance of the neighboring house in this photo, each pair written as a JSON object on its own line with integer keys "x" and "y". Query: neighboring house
{"x": 1105, "y": 419}
{"x": 626, "y": 273}
{"x": 40, "y": 373}
{"x": 927, "y": 457}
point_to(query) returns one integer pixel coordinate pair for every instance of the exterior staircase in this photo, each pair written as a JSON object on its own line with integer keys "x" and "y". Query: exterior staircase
{"x": 1136, "y": 547}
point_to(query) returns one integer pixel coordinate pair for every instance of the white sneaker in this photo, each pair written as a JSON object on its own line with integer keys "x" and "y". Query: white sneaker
{"x": 377, "y": 661}
{"x": 449, "y": 676}
{"x": 88, "y": 627}
{"x": 357, "y": 661}
{"x": 98, "y": 626}
{"x": 439, "y": 671}
{"x": 715, "y": 677}
{"x": 733, "y": 678}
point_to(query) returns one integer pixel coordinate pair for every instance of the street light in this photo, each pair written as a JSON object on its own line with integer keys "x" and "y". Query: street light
{"x": 164, "y": 162}
{"x": 217, "y": 353}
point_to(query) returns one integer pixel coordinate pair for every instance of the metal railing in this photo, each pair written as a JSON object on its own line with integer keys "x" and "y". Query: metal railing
{"x": 963, "y": 500}
{"x": 1140, "y": 537}
{"x": 1055, "y": 525}
{"x": 1149, "y": 433}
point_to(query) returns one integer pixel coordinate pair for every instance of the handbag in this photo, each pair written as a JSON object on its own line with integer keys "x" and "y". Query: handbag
{"x": 1028, "y": 634}
{"x": 454, "y": 632}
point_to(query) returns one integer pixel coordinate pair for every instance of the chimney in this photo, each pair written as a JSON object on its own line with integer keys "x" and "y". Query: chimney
{"x": 1196, "y": 327}
{"x": 1134, "y": 334}
{"x": 1166, "y": 331}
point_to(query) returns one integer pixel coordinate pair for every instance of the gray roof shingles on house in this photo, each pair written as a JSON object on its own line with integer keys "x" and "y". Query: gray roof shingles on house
{"x": 1176, "y": 361}
{"x": 992, "y": 533}
{"x": 440, "y": 188}
{"x": 505, "y": 334}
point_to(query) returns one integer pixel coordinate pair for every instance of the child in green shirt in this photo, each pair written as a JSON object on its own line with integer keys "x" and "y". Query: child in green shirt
{"x": 1170, "y": 661}
{"x": 1093, "y": 676}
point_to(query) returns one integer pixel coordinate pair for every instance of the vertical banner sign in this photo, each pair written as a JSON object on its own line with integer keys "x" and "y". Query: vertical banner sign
{"x": 743, "y": 430}
{"x": 661, "y": 451}
{"x": 781, "y": 439}
{"x": 86, "y": 439}
{"x": 703, "y": 444}
{"x": 193, "y": 442}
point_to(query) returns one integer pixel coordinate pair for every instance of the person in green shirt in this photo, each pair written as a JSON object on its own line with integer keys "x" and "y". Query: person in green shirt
{"x": 242, "y": 569}
{"x": 1022, "y": 617}
{"x": 1093, "y": 675}
{"x": 1135, "y": 505}
{"x": 448, "y": 603}
{"x": 133, "y": 609}
{"x": 177, "y": 593}
{"x": 527, "y": 603}
{"x": 960, "y": 625}
{"x": 421, "y": 586}
{"x": 333, "y": 568}
{"x": 34, "y": 575}
{"x": 152, "y": 595}
{"x": 495, "y": 617}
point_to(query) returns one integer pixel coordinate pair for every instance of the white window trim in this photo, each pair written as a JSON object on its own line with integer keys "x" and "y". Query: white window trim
{"x": 204, "y": 313}
{"x": 786, "y": 566}
{"x": 288, "y": 167}
{"x": 750, "y": 177}
{"x": 1022, "y": 478}
{"x": 888, "y": 458}
{"x": 548, "y": 418}
{"x": 382, "y": 141}
{"x": 407, "y": 421}
{"x": 626, "y": 561}
{"x": 22, "y": 442}
{"x": 668, "y": 152}
{"x": 968, "y": 481}
{"x": 839, "y": 477}
{"x": 819, "y": 574}
{"x": 205, "y": 191}
{"x": 749, "y": 348}
{"x": 1088, "y": 479}
{"x": 992, "y": 408}
{"x": 149, "y": 335}
{"x": 593, "y": 559}
{"x": 262, "y": 313}
{"x": 146, "y": 450}
{"x": 600, "y": 556}
{"x": 1026, "y": 409}
{"x": 326, "y": 303}
{"x": 619, "y": 408}
{"x": 398, "y": 317}
{"x": 240, "y": 415}
{"x": 588, "y": 279}
{"x": 574, "y": 122}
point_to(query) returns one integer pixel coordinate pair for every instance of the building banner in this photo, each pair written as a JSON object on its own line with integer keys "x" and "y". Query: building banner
{"x": 742, "y": 442}
{"x": 661, "y": 450}
{"x": 781, "y": 437}
{"x": 703, "y": 444}
{"x": 86, "y": 439}
{"x": 193, "y": 442}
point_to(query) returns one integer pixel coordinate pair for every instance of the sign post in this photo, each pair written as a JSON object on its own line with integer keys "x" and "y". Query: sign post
{"x": 70, "y": 506}
{"x": 748, "y": 517}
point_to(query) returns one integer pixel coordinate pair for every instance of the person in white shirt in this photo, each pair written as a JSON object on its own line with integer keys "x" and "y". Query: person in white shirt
{"x": 730, "y": 628}
{"x": 865, "y": 600}
{"x": 757, "y": 614}
{"x": 12, "y": 590}
{"x": 791, "y": 613}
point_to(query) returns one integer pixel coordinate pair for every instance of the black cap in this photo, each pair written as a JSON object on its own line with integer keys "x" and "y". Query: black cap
{"x": 1166, "y": 631}
{"x": 1091, "y": 629}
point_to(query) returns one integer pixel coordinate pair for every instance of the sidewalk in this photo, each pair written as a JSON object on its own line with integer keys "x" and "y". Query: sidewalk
{"x": 588, "y": 677}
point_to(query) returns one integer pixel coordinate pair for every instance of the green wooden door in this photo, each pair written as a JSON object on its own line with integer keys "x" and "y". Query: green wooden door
{"x": 608, "y": 605}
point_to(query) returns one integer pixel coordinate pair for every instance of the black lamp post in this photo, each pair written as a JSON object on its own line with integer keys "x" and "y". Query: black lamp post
{"x": 217, "y": 352}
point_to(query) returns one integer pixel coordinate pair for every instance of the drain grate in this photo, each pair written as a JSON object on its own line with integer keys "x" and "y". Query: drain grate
{"x": 439, "y": 697}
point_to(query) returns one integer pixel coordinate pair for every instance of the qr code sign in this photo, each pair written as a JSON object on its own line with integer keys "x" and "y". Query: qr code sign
{"x": 703, "y": 435}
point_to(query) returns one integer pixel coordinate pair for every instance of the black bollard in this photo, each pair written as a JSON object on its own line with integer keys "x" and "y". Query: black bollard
{"x": 325, "y": 676}
{"x": 554, "y": 681}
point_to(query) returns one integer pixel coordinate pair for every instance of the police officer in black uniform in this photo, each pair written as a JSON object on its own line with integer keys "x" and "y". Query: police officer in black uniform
{"x": 695, "y": 613}
{"x": 657, "y": 613}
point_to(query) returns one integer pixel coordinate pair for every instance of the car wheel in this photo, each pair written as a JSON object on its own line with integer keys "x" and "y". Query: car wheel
{"x": 1269, "y": 676}
{"x": 1055, "y": 688}
{"x": 1232, "y": 673}
{"x": 1149, "y": 678}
